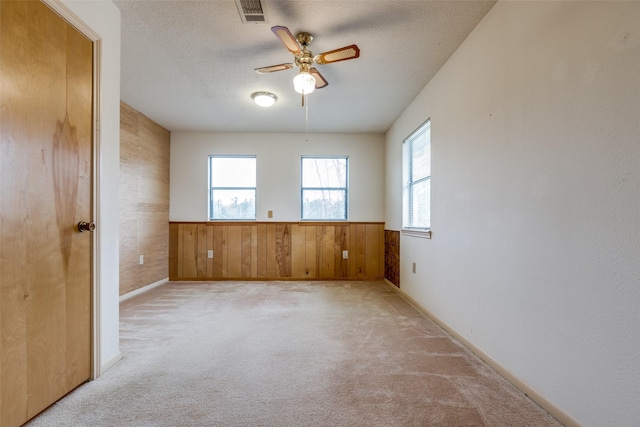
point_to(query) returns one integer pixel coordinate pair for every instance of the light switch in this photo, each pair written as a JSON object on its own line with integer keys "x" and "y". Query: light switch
{"x": 210, "y": 253}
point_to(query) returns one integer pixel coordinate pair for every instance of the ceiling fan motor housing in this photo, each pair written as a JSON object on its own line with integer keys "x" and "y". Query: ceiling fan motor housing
{"x": 305, "y": 59}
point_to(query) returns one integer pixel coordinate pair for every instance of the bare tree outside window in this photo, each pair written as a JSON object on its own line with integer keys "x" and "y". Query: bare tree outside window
{"x": 324, "y": 188}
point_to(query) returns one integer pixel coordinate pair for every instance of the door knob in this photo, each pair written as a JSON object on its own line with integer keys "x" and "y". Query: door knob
{"x": 86, "y": 226}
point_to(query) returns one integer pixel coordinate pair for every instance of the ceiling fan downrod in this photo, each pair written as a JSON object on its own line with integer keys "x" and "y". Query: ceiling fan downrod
{"x": 304, "y": 39}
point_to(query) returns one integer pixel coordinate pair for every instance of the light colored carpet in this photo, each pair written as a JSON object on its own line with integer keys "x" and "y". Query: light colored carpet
{"x": 289, "y": 354}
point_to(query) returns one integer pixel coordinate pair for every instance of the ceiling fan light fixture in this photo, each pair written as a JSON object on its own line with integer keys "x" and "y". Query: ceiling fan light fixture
{"x": 264, "y": 99}
{"x": 304, "y": 83}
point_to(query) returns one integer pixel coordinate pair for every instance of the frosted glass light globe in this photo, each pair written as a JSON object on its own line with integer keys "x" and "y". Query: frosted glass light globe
{"x": 304, "y": 83}
{"x": 264, "y": 99}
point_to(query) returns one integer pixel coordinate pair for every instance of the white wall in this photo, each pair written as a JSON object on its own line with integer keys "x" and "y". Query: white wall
{"x": 103, "y": 18}
{"x": 535, "y": 256}
{"x": 278, "y": 171}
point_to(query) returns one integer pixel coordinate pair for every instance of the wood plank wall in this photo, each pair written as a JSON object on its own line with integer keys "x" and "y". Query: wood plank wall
{"x": 144, "y": 200}
{"x": 275, "y": 250}
{"x": 392, "y": 256}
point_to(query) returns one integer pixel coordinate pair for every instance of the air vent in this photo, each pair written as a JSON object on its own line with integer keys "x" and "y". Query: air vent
{"x": 251, "y": 11}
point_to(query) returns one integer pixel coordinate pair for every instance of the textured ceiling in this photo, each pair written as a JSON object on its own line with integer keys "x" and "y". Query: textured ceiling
{"x": 189, "y": 65}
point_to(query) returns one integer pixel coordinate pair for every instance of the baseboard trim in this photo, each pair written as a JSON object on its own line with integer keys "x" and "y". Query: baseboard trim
{"x": 273, "y": 279}
{"x": 534, "y": 395}
{"x": 143, "y": 289}
{"x": 109, "y": 363}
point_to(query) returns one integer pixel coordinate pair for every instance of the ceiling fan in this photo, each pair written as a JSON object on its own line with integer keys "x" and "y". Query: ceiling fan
{"x": 309, "y": 78}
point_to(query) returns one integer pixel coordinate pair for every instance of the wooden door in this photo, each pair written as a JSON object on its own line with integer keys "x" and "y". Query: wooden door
{"x": 45, "y": 190}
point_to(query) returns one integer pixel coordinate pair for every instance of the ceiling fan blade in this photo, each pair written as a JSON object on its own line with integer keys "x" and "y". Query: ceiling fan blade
{"x": 342, "y": 54}
{"x": 272, "y": 68}
{"x": 320, "y": 81}
{"x": 287, "y": 39}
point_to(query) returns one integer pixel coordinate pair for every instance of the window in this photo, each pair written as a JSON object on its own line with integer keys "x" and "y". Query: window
{"x": 417, "y": 179}
{"x": 324, "y": 188}
{"x": 232, "y": 184}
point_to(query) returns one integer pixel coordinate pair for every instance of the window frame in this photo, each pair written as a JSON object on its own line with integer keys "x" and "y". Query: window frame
{"x": 212, "y": 188}
{"x": 345, "y": 188}
{"x": 409, "y": 185}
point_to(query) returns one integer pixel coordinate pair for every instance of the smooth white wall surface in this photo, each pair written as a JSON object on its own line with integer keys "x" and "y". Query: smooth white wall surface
{"x": 535, "y": 256}
{"x": 103, "y": 18}
{"x": 278, "y": 171}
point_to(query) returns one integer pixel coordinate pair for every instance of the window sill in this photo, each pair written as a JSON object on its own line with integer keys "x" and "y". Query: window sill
{"x": 422, "y": 234}
{"x": 231, "y": 220}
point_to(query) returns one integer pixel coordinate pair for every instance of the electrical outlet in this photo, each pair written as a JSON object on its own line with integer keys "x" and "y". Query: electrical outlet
{"x": 210, "y": 253}
{"x": 141, "y": 260}
{"x": 269, "y": 214}
{"x": 413, "y": 267}
{"x": 345, "y": 254}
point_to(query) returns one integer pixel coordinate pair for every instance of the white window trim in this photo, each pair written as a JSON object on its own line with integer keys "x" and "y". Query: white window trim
{"x": 420, "y": 233}
{"x": 346, "y": 190}
{"x": 209, "y": 206}
{"x": 424, "y": 233}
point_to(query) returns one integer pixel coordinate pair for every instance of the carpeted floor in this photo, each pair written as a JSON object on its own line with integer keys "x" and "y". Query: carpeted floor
{"x": 289, "y": 354}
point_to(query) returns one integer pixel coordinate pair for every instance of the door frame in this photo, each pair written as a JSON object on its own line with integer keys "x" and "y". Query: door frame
{"x": 71, "y": 18}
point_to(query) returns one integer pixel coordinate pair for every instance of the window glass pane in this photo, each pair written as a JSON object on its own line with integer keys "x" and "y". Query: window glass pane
{"x": 233, "y": 171}
{"x": 323, "y": 204}
{"x": 420, "y": 206}
{"x": 232, "y": 193}
{"x": 329, "y": 172}
{"x": 324, "y": 188}
{"x": 234, "y": 204}
{"x": 421, "y": 158}
{"x": 417, "y": 178}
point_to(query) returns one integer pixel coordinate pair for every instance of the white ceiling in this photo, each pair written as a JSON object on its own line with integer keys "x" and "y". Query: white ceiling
{"x": 189, "y": 65}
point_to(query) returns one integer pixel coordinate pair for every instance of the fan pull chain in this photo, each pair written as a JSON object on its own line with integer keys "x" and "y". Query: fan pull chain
{"x": 307, "y": 120}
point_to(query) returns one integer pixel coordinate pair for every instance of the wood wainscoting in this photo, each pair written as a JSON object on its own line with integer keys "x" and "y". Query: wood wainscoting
{"x": 392, "y": 256}
{"x": 276, "y": 250}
